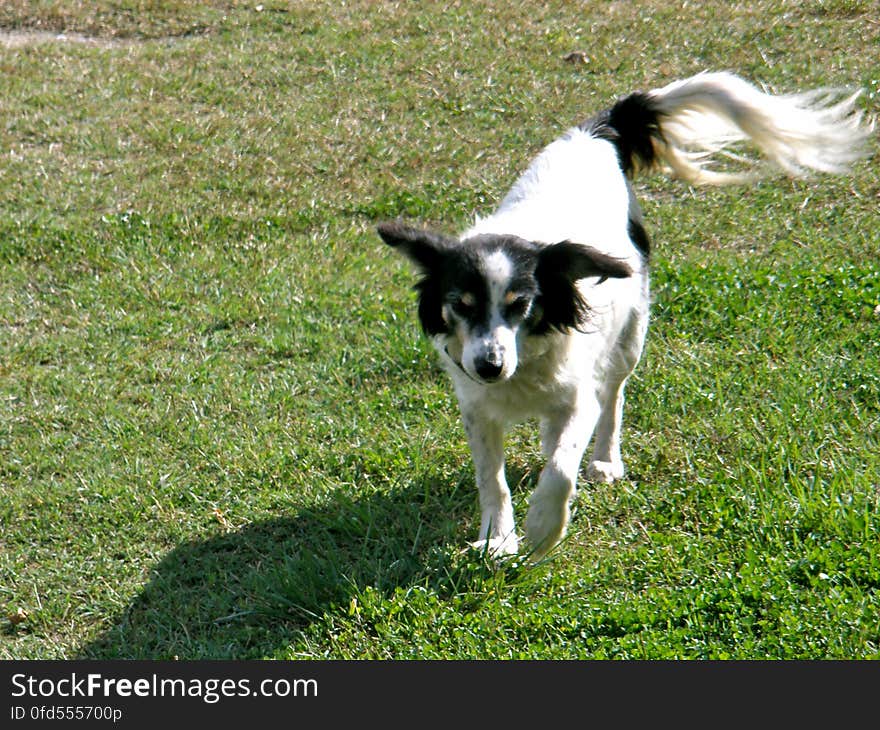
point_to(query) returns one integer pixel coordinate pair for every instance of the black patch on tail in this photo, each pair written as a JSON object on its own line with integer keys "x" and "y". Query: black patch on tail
{"x": 630, "y": 125}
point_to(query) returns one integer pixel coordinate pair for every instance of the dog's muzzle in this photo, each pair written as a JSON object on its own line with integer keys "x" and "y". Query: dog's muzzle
{"x": 486, "y": 370}
{"x": 490, "y": 366}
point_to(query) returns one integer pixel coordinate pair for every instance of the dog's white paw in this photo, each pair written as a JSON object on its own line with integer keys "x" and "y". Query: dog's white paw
{"x": 604, "y": 471}
{"x": 546, "y": 523}
{"x": 497, "y": 547}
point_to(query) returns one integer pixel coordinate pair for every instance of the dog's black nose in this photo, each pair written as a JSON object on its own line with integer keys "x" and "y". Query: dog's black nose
{"x": 488, "y": 369}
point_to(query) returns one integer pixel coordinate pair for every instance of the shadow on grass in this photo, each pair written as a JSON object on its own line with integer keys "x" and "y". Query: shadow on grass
{"x": 250, "y": 593}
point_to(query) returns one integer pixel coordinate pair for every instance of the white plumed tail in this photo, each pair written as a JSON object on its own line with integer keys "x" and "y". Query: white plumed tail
{"x": 703, "y": 117}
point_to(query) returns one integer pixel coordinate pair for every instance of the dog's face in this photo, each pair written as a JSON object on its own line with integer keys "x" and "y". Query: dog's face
{"x": 485, "y": 294}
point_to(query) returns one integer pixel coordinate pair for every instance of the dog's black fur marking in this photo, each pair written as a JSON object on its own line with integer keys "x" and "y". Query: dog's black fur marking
{"x": 631, "y": 125}
{"x": 639, "y": 236}
{"x": 559, "y": 268}
{"x": 430, "y": 251}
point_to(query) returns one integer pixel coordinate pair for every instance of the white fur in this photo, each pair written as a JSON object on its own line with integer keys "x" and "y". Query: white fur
{"x": 816, "y": 130}
{"x": 574, "y": 190}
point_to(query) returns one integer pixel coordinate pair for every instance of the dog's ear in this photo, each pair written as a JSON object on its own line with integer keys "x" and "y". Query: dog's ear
{"x": 575, "y": 261}
{"x": 559, "y": 267}
{"x": 425, "y": 248}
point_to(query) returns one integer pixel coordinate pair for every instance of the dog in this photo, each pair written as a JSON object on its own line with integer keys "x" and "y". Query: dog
{"x": 540, "y": 310}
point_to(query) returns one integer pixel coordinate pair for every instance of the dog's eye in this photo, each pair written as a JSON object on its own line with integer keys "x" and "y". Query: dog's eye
{"x": 517, "y": 306}
{"x": 463, "y": 305}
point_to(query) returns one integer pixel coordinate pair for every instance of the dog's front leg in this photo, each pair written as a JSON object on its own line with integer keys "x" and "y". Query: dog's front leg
{"x": 564, "y": 440}
{"x": 486, "y": 439}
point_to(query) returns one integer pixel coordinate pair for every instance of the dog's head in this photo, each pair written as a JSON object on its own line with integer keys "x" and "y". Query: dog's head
{"x": 484, "y": 294}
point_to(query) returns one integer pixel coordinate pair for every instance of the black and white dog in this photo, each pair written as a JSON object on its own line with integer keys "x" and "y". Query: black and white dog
{"x": 540, "y": 310}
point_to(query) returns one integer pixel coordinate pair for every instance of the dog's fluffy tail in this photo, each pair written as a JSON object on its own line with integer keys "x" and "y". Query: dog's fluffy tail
{"x": 695, "y": 125}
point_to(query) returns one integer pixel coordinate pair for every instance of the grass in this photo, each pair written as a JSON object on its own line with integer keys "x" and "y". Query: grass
{"x": 221, "y": 434}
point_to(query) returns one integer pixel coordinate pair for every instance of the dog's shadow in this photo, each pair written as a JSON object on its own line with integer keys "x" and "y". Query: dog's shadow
{"x": 252, "y": 592}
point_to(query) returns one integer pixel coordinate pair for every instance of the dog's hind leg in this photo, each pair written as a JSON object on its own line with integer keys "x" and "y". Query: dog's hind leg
{"x": 486, "y": 439}
{"x": 565, "y": 438}
{"x": 606, "y": 463}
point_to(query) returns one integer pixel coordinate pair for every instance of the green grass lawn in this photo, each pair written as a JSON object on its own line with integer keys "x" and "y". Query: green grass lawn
{"x": 221, "y": 433}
